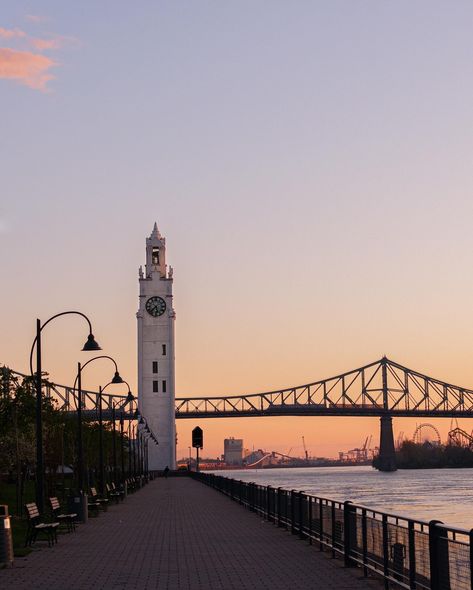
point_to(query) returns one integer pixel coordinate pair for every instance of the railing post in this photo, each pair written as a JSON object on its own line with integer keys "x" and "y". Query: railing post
{"x": 439, "y": 565}
{"x": 364, "y": 540}
{"x": 385, "y": 550}
{"x": 301, "y": 515}
{"x": 278, "y": 501}
{"x": 286, "y": 500}
{"x": 333, "y": 529}
{"x": 471, "y": 558}
{"x": 321, "y": 527}
{"x": 433, "y": 544}
{"x": 269, "y": 516}
{"x": 348, "y": 510}
{"x": 309, "y": 515}
{"x": 412, "y": 556}
{"x": 293, "y": 512}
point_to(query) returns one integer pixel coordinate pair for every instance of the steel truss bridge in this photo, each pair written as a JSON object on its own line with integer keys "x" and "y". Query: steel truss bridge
{"x": 384, "y": 388}
{"x": 381, "y": 388}
{"x": 378, "y": 389}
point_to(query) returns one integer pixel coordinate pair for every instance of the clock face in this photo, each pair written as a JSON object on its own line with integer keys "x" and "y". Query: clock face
{"x": 155, "y": 306}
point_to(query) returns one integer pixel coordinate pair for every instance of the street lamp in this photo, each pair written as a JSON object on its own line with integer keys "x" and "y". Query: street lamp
{"x": 146, "y": 434}
{"x": 80, "y": 453}
{"x": 90, "y": 345}
{"x": 129, "y": 398}
{"x": 133, "y": 415}
{"x": 137, "y": 445}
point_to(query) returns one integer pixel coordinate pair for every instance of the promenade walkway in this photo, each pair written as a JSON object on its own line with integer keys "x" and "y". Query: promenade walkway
{"x": 180, "y": 534}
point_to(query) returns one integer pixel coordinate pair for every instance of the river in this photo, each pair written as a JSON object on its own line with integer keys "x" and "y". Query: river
{"x": 425, "y": 494}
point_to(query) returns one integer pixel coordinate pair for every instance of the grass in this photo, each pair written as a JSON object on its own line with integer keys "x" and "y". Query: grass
{"x": 18, "y": 524}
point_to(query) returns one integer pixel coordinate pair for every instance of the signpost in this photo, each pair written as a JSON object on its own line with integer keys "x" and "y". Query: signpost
{"x": 197, "y": 443}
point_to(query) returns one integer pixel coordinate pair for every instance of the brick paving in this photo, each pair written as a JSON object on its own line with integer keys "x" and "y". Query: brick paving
{"x": 180, "y": 534}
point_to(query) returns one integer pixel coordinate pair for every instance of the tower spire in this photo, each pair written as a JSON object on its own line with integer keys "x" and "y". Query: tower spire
{"x": 156, "y": 253}
{"x": 155, "y": 233}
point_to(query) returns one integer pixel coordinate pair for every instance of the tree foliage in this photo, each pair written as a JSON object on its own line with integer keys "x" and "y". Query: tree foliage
{"x": 18, "y": 436}
{"x": 428, "y": 456}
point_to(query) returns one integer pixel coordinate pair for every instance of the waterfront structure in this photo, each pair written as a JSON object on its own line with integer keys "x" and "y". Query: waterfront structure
{"x": 156, "y": 358}
{"x": 233, "y": 451}
{"x": 383, "y": 388}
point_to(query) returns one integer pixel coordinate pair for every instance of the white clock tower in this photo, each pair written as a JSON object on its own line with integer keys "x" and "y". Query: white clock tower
{"x": 156, "y": 381}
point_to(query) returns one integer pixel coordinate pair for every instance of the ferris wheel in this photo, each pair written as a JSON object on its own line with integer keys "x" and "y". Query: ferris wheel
{"x": 426, "y": 433}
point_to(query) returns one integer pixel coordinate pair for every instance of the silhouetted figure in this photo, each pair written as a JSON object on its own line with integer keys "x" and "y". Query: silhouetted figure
{"x": 166, "y": 472}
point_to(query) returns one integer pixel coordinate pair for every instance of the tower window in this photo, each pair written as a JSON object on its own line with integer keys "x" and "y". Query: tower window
{"x": 155, "y": 366}
{"x": 164, "y": 386}
{"x": 155, "y": 387}
{"x": 164, "y": 349}
{"x": 156, "y": 256}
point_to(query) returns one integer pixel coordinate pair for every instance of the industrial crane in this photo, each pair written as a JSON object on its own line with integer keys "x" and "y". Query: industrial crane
{"x": 305, "y": 449}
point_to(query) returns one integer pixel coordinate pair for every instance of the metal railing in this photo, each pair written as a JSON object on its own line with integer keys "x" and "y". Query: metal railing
{"x": 406, "y": 553}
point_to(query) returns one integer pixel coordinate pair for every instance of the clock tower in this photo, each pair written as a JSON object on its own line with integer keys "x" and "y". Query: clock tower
{"x": 156, "y": 381}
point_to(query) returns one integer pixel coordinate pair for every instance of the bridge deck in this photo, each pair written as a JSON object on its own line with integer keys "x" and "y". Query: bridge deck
{"x": 180, "y": 534}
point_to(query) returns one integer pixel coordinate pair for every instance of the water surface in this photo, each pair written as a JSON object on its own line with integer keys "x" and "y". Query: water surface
{"x": 425, "y": 494}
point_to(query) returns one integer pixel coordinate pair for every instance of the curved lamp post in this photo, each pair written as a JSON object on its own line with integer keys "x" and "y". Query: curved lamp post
{"x": 80, "y": 452}
{"x": 129, "y": 398}
{"x": 144, "y": 434}
{"x": 90, "y": 345}
{"x": 141, "y": 420}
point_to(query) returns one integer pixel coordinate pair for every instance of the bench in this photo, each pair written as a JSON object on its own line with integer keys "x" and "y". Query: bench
{"x": 102, "y": 502}
{"x": 35, "y": 526}
{"x": 119, "y": 491}
{"x": 112, "y": 493}
{"x": 67, "y": 519}
{"x": 131, "y": 484}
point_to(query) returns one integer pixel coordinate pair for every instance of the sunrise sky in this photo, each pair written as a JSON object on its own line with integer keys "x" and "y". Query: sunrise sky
{"x": 310, "y": 164}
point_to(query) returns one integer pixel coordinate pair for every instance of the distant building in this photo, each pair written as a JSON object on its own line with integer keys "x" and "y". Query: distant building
{"x": 233, "y": 451}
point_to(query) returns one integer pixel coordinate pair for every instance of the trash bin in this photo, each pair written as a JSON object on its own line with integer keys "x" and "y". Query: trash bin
{"x": 78, "y": 504}
{"x": 6, "y": 541}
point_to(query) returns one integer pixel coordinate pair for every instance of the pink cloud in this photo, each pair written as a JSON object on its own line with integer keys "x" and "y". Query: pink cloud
{"x": 25, "y": 67}
{"x": 11, "y": 33}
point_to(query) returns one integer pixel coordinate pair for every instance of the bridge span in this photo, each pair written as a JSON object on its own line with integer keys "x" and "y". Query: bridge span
{"x": 379, "y": 388}
{"x": 383, "y": 388}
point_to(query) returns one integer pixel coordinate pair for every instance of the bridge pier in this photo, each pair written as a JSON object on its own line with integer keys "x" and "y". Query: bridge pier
{"x": 387, "y": 454}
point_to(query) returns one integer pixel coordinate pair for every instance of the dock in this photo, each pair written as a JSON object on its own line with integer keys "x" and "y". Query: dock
{"x": 177, "y": 533}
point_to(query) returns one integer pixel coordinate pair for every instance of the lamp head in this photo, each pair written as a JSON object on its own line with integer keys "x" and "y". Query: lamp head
{"x": 129, "y": 398}
{"x": 116, "y": 378}
{"x": 91, "y": 344}
{"x": 142, "y": 421}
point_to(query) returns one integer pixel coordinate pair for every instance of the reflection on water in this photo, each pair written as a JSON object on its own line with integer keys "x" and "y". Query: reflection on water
{"x": 425, "y": 494}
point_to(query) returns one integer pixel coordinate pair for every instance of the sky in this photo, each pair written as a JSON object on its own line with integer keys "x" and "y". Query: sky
{"x": 309, "y": 163}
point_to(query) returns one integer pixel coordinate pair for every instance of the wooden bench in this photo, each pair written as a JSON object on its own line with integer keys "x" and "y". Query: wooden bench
{"x": 67, "y": 519}
{"x": 93, "y": 505}
{"x": 112, "y": 493}
{"x": 102, "y": 502}
{"x": 119, "y": 491}
{"x": 35, "y": 526}
{"x": 131, "y": 484}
